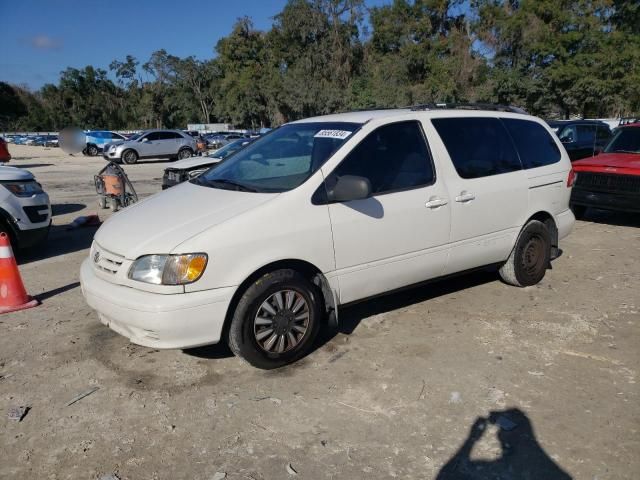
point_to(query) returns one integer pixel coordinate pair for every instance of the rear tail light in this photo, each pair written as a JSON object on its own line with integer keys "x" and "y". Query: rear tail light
{"x": 571, "y": 179}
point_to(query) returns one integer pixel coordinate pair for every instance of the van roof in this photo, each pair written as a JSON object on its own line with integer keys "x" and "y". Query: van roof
{"x": 363, "y": 116}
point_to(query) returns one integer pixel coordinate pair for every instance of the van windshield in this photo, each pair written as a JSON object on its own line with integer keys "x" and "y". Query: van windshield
{"x": 281, "y": 160}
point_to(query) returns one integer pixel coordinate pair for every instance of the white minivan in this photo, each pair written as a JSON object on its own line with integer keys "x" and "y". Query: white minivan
{"x": 318, "y": 213}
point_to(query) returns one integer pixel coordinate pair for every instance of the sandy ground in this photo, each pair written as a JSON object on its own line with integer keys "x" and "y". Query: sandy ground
{"x": 402, "y": 391}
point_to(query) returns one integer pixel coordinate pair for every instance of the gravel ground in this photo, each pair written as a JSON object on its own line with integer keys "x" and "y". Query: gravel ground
{"x": 464, "y": 378}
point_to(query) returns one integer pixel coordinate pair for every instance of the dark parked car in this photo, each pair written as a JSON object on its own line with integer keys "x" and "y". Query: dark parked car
{"x": 582, "y": 138}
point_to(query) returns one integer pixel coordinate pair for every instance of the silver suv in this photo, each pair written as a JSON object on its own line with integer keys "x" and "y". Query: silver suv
{"x": 172, "y": 144}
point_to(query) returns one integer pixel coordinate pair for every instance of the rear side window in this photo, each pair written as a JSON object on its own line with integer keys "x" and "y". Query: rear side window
{"x": 586, "y": 133}
{"x": 534, "y": 144}
{"x": 393, "y": 157}
{"x": 478, "y": 147}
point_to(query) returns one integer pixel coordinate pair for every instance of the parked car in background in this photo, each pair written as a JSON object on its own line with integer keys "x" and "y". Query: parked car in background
{"x": 47, "y": 141}
{"x": 189, "y": 168}
{"x": 5, "y": 156}
{"x": 96, "y": 140}
{"x": 582, "y": 138}
{"x": 262, "y": 249}
{"x": 173, "y": 144}
{"x": 611, "y": 179}
{"x": 219, "y": 140}
{"x": 25, "y": 210}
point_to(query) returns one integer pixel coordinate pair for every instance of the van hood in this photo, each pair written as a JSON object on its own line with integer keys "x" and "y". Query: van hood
{"x": 13, "y": 173}
{"x": 193, "y": 162}
{"x": 163, "y": 221}
{"x": 624, "y": 163}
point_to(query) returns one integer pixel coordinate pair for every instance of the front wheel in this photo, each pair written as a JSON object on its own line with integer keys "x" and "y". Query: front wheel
{"x": 276, "y": 320}
{"x": 129, "y": 157}
{"x": 530, "y": 258}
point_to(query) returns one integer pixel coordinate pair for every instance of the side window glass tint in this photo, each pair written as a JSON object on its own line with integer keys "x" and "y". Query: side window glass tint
{"x": 568, "y": 134}
{"x": 478, "y": 147}
{"x": 603, "y": 133}
{"x": 535, "y": 146}
{"x": 393, "y": 157}
{"x": 586, "y": 133}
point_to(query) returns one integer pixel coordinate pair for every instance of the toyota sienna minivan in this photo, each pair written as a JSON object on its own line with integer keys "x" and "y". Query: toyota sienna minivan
{"x": 263, "y": 249}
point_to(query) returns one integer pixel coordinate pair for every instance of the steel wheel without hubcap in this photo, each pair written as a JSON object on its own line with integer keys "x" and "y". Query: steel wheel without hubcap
{"x": 533, "y": 256}
{"x": 282, "y": 321}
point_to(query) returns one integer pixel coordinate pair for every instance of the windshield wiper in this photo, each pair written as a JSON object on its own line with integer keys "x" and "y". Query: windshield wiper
{"x": 231, "y": 183}
{"x": 624, "y": 151}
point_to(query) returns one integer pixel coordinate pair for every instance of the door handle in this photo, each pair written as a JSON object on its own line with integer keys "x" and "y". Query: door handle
{"x": 465, "y": 197}
{"x": 436, "y": 202}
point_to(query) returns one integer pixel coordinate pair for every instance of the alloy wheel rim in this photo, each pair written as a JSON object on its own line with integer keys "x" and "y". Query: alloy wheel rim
{"x": 281, "y": 322}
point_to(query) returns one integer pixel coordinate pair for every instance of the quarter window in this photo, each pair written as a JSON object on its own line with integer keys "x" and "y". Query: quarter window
{"x": 478, "y": 147}
{"x": 534, "y": 144}
{"x": 393, "y": 157}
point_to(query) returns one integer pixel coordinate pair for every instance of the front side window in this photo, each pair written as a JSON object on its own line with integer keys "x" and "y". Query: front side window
{"x": 625, "y": 140}
{"x": 535, "y": 146}
{"x": 393, "y": 157}
{"x": 478, "y": 147}
{"x": 281, "y": 160}
{"x": 603, "y": 133}
{"x": 153, "y": 136}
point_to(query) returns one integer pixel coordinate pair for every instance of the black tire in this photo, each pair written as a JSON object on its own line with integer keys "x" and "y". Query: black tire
{"x": 102, "y": 202}
{"x": 185, "y": 153}
{"x": 243, "y": 331}
{"x": 92, "y": 150}
{"x": 129, "y": 157}
{"x": 530, "y": 258}
{"x": 579, "y": 211}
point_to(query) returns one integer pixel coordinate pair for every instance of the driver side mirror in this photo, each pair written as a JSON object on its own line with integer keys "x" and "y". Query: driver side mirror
{"x": 567, "y": 138}
{"x": 349, "y": 187}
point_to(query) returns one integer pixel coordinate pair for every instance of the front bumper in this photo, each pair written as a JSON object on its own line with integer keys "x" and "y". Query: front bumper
{"x": 625, "y": 202}
{"x": 32, "y": 237}
{"x": 155, "y": 320}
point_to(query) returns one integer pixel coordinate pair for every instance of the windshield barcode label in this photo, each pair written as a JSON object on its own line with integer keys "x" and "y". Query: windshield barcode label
{"x": 340, "y": 134}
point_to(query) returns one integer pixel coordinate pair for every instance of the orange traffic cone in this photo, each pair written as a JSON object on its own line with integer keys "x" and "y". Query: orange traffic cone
{"x": 13, "y": 296}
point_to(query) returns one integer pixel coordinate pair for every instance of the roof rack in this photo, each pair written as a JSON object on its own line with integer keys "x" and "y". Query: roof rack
{"x": 468, "y": 106}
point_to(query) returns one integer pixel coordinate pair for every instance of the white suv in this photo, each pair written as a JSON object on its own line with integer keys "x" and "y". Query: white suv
{"x": 25, "y": 210}
{"x": 263, "y": 249}
{"x": 172, "y": 144}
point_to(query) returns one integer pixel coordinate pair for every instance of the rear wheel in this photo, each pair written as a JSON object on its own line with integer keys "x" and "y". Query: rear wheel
{"x": 129, "y": 157}
{"x": 530, "y": 258}
{"x": 184, "y": 153}
{"x": 276, "y": 320}
{"x": 92, "y": 150}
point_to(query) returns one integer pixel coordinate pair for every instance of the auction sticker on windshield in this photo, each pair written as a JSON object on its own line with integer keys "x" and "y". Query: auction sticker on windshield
{"x": 341, "y": 134}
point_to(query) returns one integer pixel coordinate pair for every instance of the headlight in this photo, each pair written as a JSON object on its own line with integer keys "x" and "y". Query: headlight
{"x": 23, "y": 189}
{"x": 168, "y": 269}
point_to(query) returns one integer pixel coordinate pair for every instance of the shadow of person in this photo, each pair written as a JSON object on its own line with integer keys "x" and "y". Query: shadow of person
{"x": 522, "y": 456}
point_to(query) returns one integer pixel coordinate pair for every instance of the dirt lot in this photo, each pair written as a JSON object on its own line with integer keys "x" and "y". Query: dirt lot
{"x": 402, "y": 391}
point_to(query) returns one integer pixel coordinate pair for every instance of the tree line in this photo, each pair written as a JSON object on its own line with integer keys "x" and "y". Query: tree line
{"x": 554, "y": 58}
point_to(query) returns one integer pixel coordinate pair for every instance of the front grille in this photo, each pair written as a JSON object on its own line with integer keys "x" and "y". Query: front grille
{"x": 105, "y": 261}
{"x": 37, "y": 213}
{"x": 608, "y": 183}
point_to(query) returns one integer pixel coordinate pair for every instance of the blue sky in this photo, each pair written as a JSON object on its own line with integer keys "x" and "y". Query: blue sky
{"x": 40, "y": 38}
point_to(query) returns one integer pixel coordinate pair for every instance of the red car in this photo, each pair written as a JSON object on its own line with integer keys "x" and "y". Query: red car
{"x": 5, "y": 156}
{"x": 610, "y": 180}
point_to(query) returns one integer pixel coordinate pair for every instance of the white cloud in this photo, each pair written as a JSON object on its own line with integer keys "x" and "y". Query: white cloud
{"x": 45, "y": 42}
